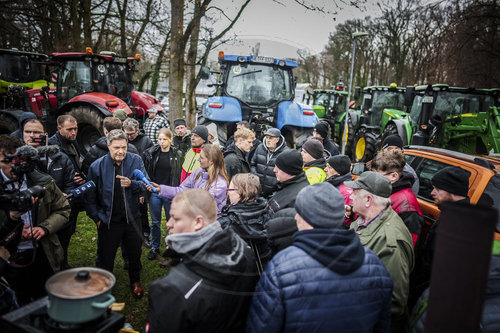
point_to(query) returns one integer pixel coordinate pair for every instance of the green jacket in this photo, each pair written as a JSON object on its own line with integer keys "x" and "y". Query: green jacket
{"x": 391, "y": 241}
{"x": 51, "y": 212}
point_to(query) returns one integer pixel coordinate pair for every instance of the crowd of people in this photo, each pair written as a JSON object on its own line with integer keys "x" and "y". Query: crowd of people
{"x": 260, "y": 237}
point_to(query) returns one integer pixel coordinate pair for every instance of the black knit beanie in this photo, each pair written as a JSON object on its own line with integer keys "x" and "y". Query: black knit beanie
{"x": 314, "y": 148}
{"x": 290, "y": 161}
{"x": 322, "y": 129}
{"x": 452, "y": 179}
{"x": 341, "y": 164}
{"x": 393, "y": 140}
{"x": 179, "y": 121}
{"x": 202, "y": 131}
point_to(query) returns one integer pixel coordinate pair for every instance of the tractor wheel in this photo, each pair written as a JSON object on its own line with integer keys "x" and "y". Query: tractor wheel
{"x": 295, "y": 136}
{"x": 89, "y": 126}
{"x": 7, "y": 124}
{"x": 390, "y": 129}
{"x": 365, "y": 144}
{"x": 351, "y": 133}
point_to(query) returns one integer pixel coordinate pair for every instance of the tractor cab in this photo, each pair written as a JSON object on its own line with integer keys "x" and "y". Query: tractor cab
{"x": 378, "y": 98}
{"x": 82, "y": 73}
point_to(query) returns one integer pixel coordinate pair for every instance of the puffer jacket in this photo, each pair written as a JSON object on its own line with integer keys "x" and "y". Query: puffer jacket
{"x": 490, "y": 320}
{"x": 210, "y": 289}
{"x": 199, "y": 179}
{"x": 100, "y": 200}
{"x": 236, "y": 161}
{"x": 263, "y": 163}
{"x": 51, "y": 212}
{"x": 58, "y": 166}
{"x": 249, "y": 220}
{"x": 287, "y": 191}
{"x": 99, "y": 149}
{"x": 141, "y": 142}
{"x": 315, "y": 170}
{"x": 325, "y": 282}
{"x": 150, "y": 158}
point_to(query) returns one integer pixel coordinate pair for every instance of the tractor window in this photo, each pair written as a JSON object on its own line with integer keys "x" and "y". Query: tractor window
{"x": 19, "y": 69}
{"x": 450, "y": 103}
{"x": 122, "y": 80}
{"x": 416, "y": 108}
{"x": 259, "y": 85}
{"x": 322, "y": 99}
{"x": 385, "y": 100}
{"x": 73, "y": 80}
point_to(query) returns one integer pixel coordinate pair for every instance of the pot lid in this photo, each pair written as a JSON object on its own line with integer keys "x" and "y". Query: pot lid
{"x": 81, "y": 282}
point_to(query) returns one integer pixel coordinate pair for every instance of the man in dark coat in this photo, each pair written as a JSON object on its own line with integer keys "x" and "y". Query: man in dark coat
{"x": 211, "y": 288}
{"x": 235, "y": 155}
{"x": 264, "y": 159}
{"x": 320, "y": 132}
{"x": 326, "y": 279}
{"x": 182, "y": 136}
{"x": 291, "y": 179}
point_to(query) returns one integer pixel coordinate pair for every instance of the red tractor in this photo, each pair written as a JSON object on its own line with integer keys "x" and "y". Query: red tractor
{"x": 90, "y": 87}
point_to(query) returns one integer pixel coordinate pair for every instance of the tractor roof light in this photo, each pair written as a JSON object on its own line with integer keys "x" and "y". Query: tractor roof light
{"x": 281, "y": 63}
{"x": 88, "y": 50}
{"x": 393, "y": 85}
{"x": 241, "y": 59}
{"x": 138, "y": 56}
{"x": 221, "y": 54}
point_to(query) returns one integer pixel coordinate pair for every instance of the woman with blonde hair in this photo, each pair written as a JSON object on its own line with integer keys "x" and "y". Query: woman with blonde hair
{"x": 211, "y": 176}
{"x": 163, "y": 162}
{"x": 247, "y": 214}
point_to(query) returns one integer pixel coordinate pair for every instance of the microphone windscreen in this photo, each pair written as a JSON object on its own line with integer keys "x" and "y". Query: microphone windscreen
{"x": 27, "y": 150}
{"x": 138, "y": 174}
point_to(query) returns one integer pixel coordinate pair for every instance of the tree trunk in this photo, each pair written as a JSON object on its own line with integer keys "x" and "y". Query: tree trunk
{"x": 177, "y": 47}
{"x": 122, "y": 10}
{"x": 87, "y": 26}
{"x": 191, "y": 81}
{"x": 157, "y": 67}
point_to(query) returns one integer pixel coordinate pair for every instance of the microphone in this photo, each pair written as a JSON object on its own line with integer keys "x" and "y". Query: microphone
{"x": 139, "y": 175}
{"x": 78, "y": 191}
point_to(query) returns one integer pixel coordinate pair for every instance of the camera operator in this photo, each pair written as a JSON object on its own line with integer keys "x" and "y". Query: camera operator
{"x": 57, "y": 165}
{"x": 39, "y": 254}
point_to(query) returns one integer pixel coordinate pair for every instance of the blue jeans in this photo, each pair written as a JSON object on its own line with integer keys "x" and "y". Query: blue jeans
{"x": 155, "y": 205}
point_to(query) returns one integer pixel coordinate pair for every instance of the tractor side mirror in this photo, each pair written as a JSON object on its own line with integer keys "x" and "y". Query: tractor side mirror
{"x": 358, "y": 168}
{"x": 205, "y": 73}
{"x": 357, "y": 92}
{"x": 409, "y": 95}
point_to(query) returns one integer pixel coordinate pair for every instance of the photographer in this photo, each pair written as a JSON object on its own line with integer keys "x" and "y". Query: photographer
{"x": 57, "y": 165}
{"x": 39, "y": 254}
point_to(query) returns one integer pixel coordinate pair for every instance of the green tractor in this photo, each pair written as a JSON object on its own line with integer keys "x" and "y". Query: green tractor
{"x": 384, "y": 111}
{"x": 461, "y": 119}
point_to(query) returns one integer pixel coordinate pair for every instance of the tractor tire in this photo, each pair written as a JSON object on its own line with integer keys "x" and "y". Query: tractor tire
{"x": 351, "y": 133}
{"x": 89, "y": 126}
{"x": 7, "y": 124}
{"x": 390, "y": 129}
{"x": 295, "y": 136}
{"x": 365, "y": 145}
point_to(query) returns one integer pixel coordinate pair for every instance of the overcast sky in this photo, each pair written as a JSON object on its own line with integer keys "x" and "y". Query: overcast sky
{"x": 293, "y": 24}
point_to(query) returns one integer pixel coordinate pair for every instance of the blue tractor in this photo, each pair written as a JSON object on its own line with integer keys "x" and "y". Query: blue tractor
{"x": 259, "y": 90}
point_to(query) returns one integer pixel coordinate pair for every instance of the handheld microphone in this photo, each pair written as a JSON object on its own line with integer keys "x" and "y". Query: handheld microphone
{"x": 139, "y": 175}
{"x": 78, "y": 191}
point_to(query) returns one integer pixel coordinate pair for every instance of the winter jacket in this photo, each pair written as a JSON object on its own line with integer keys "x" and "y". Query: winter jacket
{"x": 199, "y": 179}
{"x": 325, "y": 282}
{"x": 210, "y": 289}
{"x": 99, "y": 149}
{"x": 70, "y": 148}
{"x": 263, "y": 163}
{"x": 141, "y": 142}
{"x": 182, "y": 143}
{"x": 191, "y": 162}
{"x": 151, "y": 156}
{"x": 391, "y": 241}
{"x": 236, "y": 161}
{"x": 330, "y": 147}
{"x": 416, "y": 184}
{"x": 404, "y": 202}
{"x": 249, "y": 220}
{"x": 287, "y": 191}
{"x": 58, "y": 166}
{"x": 51, "y": 213}
{"x": 338, "y": 182}
{"x": 152, "y": 126}
{"x": 280, "y": 229}
{"x": 490, "y": 320}
{"x": 100, "y": 200}
{"x": 315, "y": 170}
{"x": 250, "y": 154}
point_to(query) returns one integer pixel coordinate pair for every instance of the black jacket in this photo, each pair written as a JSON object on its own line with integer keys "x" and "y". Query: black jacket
{"x": 330, "y": 146}
{"x": 280, "y": 229}
{"x": 182, "y": 143}
{"x": 263, "y": 163}
{"x": 70, "y": 148}
{"x": 58, "y": 166}
{"x": 209, "y": 291}
{"x": 141, "y": 142}
{"x": 99, "y": 149}
{"x": 150, "y": 158}
{"x": 287, "y": 192}
{"x": 249, "y": 221}
{"x": 236, "y": 161}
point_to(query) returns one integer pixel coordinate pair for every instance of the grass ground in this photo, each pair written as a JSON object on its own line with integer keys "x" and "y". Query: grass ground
{"x": 82, "y": 252}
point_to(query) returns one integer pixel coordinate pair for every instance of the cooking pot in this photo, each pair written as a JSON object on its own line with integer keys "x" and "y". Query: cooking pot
{"x": 79, "y": 295}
